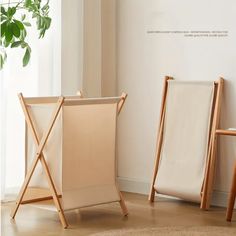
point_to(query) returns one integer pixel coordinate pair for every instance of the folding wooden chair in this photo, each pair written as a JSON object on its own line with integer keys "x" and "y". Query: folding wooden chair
{"x": 186, "y": 142}
{"x": 76, "y": 148}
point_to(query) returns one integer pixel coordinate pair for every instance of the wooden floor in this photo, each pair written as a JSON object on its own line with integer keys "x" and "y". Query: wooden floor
{"x": 31, "y": 221}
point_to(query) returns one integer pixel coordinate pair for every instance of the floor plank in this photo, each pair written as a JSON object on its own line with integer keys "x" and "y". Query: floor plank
{"x": 31, "y": 221}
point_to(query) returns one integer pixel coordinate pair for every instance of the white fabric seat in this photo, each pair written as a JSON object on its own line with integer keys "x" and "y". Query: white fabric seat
{"x": 185, "y": 139}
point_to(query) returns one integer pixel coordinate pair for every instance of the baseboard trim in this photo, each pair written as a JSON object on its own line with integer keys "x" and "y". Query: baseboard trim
{"x": 219, "y": 198}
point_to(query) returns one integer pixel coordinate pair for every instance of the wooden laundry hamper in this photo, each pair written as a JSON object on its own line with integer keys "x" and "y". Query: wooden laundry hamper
{"x": 186, "y": 140}
{"x": 74, "y": 138}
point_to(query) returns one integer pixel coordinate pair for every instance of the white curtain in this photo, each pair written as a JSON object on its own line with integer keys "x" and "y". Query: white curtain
{"x": 62, "y": 62}
{"x": 99, "y": 48}
{"x": 40, "y": 78}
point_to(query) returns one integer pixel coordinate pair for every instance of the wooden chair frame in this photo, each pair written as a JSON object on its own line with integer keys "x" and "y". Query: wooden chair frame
{"x": 232, "y": 194}
{"x": 232, "y": 197}
{"x": 39, "y": 155}
{"x": 212, "y": 144}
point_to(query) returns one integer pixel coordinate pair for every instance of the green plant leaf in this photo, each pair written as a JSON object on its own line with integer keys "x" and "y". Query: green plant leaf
{"x": 3, "y": 11}
{"x": 5, "y": 56}
{"x": 27, "y": 3}
{"x": 39, "y": 22}
{"x": 19, "y": 24}
{"x": 45, "y": 8}
{"x": 33, "y": 7}
{"x": 24, "y": 44}
{"x": 26, "y": 23}
{"x": 23, "y": 34}
{"x": 42, "y": 33}
{"x": 15, "y": 30}
{"x": 8, "y": 33}
{"x": 1, "y": 62}
{"x": 34, "y": 15}
{"x": 23, "y": 17}
{"x": 6, "y": 44}
{"x": 11, "y": 11}
{"x": 3, "y": 28}
{"x": 48, "y": 21}
{"x": 16, "y": 44}
{"x": 3, "y": 18}
{"x": 26, "y": 57}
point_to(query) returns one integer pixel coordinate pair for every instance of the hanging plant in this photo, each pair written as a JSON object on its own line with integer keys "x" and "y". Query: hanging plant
{"x": 15, "y": 19}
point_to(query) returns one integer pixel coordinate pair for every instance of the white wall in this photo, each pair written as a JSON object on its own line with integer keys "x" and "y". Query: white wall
{"x": 144, "y": 59}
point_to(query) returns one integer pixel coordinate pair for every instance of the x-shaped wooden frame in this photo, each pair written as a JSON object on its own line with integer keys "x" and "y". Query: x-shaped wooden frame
{"x": 40, "y": 144}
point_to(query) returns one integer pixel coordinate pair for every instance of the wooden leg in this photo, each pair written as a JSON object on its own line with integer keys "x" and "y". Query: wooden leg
{"x": 123, "y": 206}
{"x": 80, "y": 94}
{"x": 39, "y": 156}
{"x": 209, "y": 176}
{"x": 24, "y": 187}
{"x": 54, "y": 193}
{"x": 152, "y": 195}
{"x": 206, "y": 178}
{"x": 159, "y": 139}
{"x": 122, "y": 101}
{"x": 158, "y": 155}
{"x": 231, "y": 197}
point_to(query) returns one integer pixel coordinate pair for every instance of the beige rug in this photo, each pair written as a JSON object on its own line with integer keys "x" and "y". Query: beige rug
{"x": 172, "y": 231}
